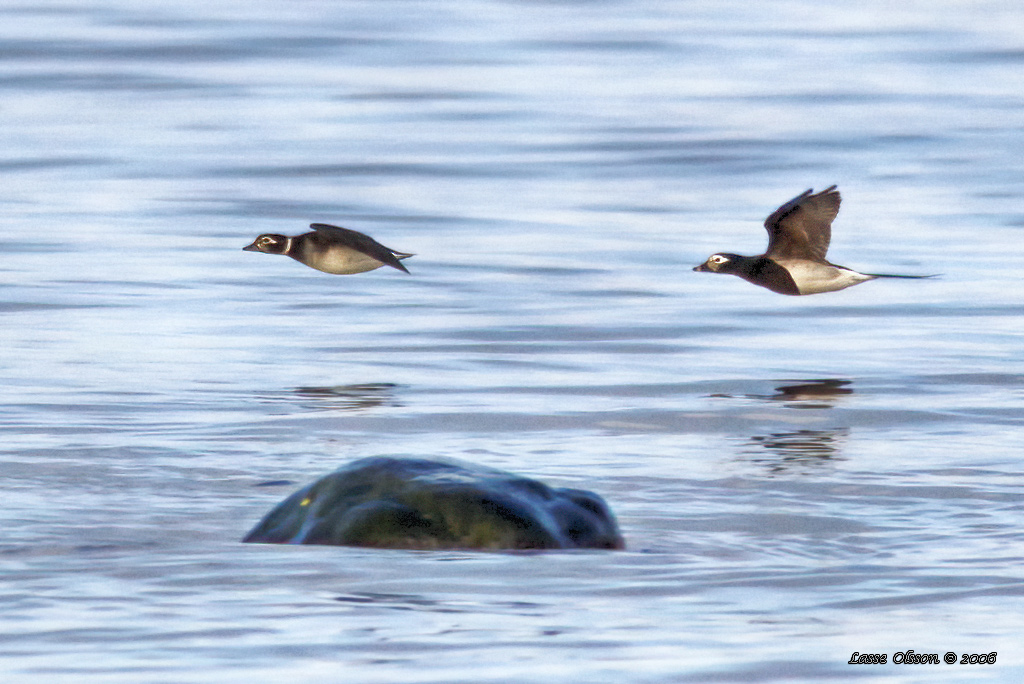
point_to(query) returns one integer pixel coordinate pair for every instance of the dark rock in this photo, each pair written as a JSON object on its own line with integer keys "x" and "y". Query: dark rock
{"x": 410, "y": 503}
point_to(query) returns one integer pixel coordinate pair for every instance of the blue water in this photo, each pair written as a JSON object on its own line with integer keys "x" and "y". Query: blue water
{"x": 796, "y": 478}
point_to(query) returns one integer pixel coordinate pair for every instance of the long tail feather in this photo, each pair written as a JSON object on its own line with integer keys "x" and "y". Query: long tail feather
{"x": 893, "y": 275}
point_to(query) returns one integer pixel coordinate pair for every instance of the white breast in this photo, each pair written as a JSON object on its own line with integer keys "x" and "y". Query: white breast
{"x": 812, "y": 277}
{"x": 343, "y": 261}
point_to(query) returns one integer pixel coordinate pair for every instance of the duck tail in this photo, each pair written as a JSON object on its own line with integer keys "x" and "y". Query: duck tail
{"x": 396, "y": 260}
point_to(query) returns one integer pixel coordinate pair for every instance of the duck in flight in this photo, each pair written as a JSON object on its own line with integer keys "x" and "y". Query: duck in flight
{"x": 332, "y": 250}
{"x": 798, "y": 236}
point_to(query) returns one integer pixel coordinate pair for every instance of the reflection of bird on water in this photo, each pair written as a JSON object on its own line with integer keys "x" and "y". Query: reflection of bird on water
{"x": 812, "y": 393}
{"x": 802, "y": 443}
{"x": 338, "y": 397}
{"x": 349, "y": 397}
{"x": 797, "y": 448}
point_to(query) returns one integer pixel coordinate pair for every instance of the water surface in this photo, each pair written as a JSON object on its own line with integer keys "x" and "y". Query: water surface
{"x": 797, "y": 478}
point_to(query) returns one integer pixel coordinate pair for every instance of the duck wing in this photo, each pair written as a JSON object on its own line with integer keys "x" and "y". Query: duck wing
{"x": 802, "y": 227}
{"x": 362, "y": 243}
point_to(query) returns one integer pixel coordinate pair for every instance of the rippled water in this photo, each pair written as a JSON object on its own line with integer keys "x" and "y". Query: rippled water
{"x": 797, "y": 478}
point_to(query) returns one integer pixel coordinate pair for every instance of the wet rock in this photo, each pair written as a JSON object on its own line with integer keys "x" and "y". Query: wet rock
{"x": 411, "y": 503}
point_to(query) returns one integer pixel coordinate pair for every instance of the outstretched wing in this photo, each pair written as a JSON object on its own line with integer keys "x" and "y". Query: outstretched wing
{"x": 362, "y": 243}
{"x": 802, "y": 227}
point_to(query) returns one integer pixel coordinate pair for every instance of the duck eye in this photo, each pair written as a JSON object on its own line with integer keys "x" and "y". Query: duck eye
{"x": 719, "y": 259}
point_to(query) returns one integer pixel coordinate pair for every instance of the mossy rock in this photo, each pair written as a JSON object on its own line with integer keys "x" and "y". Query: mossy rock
{"x": 407, "y": 503}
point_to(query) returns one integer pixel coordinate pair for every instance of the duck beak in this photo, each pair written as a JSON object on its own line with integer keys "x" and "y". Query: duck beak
{"x": 250, "y": 248}
{"x": 702, "y": 267}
